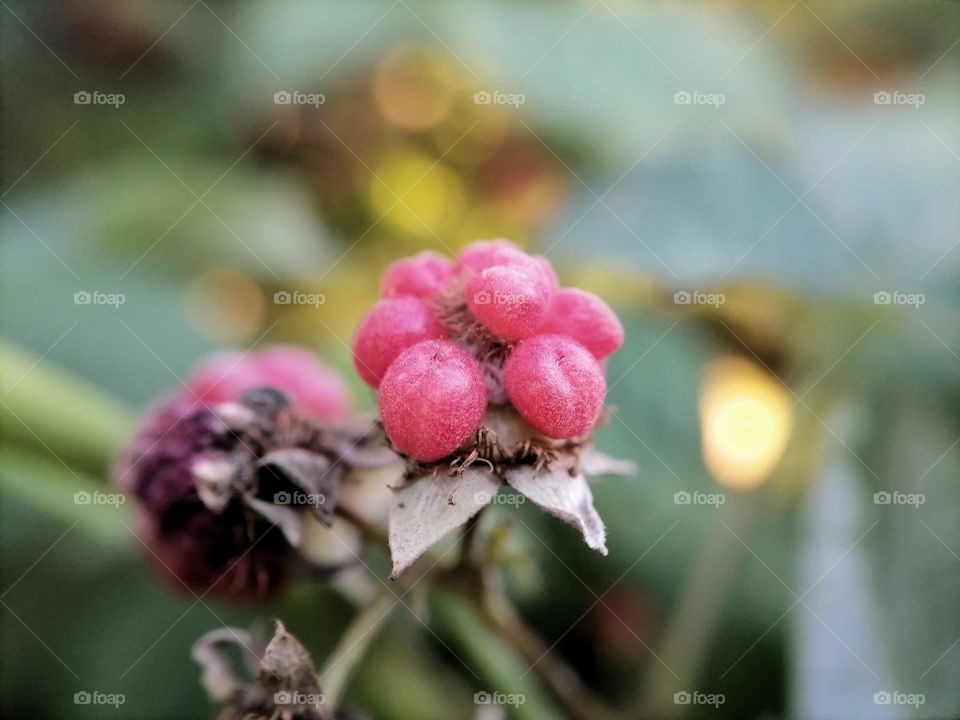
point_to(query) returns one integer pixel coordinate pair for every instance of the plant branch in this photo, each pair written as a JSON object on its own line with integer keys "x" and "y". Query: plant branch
{"x": 352, "y": 647}
{"x": 562, "y": 680}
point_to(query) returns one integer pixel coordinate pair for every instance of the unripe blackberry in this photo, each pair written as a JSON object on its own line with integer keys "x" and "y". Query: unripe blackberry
{"x": 556, "y": 385}
{"x": 432, "y": 399}
{"x": 312, "y": 385}
{"x": 391, "y": 326}
{"x": 422, "y": 275}
{"x": 509, "y": 300}
{"x": 585, "y": 318}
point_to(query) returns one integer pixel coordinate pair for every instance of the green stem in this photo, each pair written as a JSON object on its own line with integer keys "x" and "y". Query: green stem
{"x": 353, "y": 646}
{"x": 560, "y": 678}
{"x": 687, "y": 636}
{"x": 490, "y": 659}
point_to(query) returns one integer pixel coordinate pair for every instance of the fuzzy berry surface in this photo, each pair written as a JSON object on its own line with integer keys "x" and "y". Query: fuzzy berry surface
{"x": 422, "y": 275}
{"x": 491, "y": 327}
{"x": 392, "y": 326}
{"x": 556, "y": 385}
{"x": 432, "y": 399}
{"x": 587, "y": 319}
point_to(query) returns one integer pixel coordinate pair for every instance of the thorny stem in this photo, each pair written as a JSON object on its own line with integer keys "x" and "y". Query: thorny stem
{"x": 353, "y": 646}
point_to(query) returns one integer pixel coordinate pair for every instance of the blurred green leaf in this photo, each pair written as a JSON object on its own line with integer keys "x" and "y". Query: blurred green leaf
{"x": 55, "y": 413}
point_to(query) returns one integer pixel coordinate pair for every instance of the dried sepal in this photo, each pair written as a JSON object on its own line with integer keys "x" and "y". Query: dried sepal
{"x": 285, "y": 686}
{"x": 594, "y": 463}
{"x": 426, "y": 509}
{"x": 566, "y": 496}
{"x": 218, "y": 675}
{"x": 314, "y": 474}
{"x": 506, "y": 449}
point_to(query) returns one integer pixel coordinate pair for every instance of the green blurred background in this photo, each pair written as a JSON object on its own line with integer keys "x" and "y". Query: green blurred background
{"x": 735, "y": 151}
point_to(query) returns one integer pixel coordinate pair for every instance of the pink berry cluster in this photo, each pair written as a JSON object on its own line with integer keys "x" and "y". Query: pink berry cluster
{"x": 492, "y": 327}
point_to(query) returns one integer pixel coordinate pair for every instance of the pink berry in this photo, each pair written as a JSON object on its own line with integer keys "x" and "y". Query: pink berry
{"x": 548, "y": 272}
{"x": 391, "y": 326}
{"x": 432, "y": 399}
{"x": 482, "y": 254}
{"x": 422, "y": 275}
{"x": 510, "y": 300}
{"x": 309, "y": 383}
{"x": 587, "y": 319}
{"x": 556, "y": 385}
